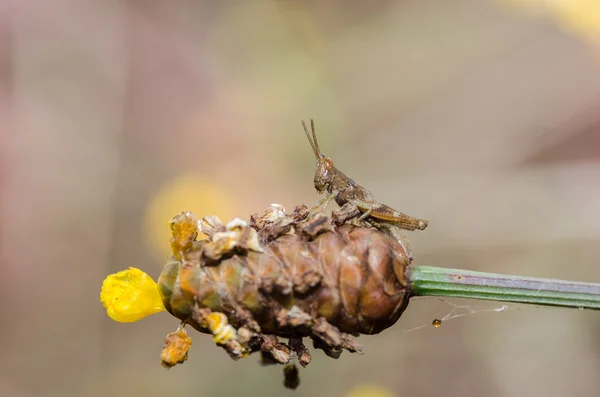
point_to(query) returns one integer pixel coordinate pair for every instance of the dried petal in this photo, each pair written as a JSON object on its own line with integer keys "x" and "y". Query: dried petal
{"x": 280, "y": 352}
{"x": 275, "y": 212}
{"x": 278, "y": 228}
{"x": 301, "y": 351}
{"x": 216, "y": 322}
{"x": 259, "y": 220}
{"x": 222, "y": 243}
{"x": 185, "y": 230}
{"x": 316, "y": 224}
{"x": 175, "y": 350}
{"x": 300, "y": 213}
{"x": 210, "y": 225}
{"x": 342, "y": 215}
{"x": 252, "y": 242}
{"x": 236, "y": 223}
{"x": 224, "y": 335}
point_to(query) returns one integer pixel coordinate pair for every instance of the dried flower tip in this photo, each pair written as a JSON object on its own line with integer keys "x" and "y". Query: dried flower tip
{"x": 276, "y": 211}
{"x": 220, "y": 328}
{"x": 270, "y": 215}
{"x": 130, "y": 295}
{"x": 226, "y": 334}
{"x": 291, "y": 376}
{"x": 342, "y": 215}
{"x": 279, "y": 352}
{"x": 351, "y": 345}
{"x": 235, "y": 349}
{"x": 252, "y": 242}
{"x": 222, "y": 243}
{"x": 185, "y": 230}
{"x": 278, "y": 228}
{"x": 244, "y": 335}
{"x": 300, "y": 213}
{"x": 240, "y": 238}
{"x": 236, "y": 223}
{"x": 294, "y": 317}
{"x": 316, "y": 224}
{"x": 175, "y": 350}
{"x": 302, "y": 351}
{"x": 210, "y": 225}
{"x": 226, "y": 239}
{"x": 329, "y": 334}
{"x": 216, "y": 322}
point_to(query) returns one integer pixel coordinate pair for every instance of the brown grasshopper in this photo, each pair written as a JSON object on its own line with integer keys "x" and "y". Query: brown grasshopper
{"x": 344, "y": 190}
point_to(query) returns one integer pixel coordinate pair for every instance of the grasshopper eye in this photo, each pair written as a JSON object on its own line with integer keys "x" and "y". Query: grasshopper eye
{"x": 328, "y": 164}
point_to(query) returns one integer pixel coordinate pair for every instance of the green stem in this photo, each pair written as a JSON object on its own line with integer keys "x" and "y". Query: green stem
{"x": 437, "y": 281}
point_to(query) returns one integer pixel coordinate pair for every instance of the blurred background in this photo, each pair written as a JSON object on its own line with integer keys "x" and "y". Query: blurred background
{"x": 481, "y": 116}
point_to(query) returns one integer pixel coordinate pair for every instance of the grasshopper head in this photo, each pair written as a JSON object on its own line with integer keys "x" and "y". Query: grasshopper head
{"x": 325, "y": 171}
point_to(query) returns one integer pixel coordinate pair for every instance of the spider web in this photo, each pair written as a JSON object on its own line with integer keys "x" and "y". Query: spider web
{"x": 457, "y": 311}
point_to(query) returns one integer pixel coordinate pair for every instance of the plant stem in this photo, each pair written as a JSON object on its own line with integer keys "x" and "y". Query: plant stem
{"x": 437, "y": 281}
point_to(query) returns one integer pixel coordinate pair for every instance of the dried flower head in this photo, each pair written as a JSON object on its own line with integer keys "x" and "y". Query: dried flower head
{"x": 294, "y": 276}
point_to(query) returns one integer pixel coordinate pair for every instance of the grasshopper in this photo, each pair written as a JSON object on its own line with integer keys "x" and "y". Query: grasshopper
{"x": 344, "y": 190}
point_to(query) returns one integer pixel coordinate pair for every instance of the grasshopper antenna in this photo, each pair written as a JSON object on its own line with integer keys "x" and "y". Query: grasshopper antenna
{"x": 314, "y": 134}
{"x": 313, "y": 143}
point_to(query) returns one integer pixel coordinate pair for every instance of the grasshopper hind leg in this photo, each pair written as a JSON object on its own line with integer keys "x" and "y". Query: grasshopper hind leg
{"x": 350, "y": 212}
{"x": 395, "y": 232}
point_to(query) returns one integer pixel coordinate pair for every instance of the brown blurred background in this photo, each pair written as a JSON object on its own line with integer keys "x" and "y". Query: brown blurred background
{"x": 481, "y": 116}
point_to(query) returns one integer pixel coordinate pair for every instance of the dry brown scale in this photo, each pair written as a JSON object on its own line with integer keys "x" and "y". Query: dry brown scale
{"x": 304, "y": 274}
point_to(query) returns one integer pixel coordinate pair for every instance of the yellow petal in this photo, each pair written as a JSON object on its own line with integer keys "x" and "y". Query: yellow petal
{"x": 130, "y": 295}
